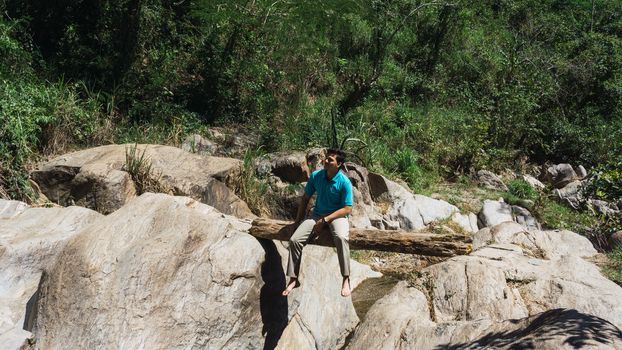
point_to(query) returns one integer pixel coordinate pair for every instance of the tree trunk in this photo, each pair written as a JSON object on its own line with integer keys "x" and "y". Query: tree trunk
{"x": 422, "y": 243}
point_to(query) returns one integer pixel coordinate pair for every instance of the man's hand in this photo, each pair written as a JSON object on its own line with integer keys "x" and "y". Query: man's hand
{"x": 319, "y": 225}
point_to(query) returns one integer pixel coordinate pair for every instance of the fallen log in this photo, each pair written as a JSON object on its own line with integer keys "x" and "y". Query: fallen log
{"x": 422, "y": 243}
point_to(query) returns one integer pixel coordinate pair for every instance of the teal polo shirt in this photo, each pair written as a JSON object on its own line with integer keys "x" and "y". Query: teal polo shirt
{"x": 332, "y": 194}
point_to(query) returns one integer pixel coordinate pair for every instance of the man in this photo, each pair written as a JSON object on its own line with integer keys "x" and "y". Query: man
{"x": 332, "y": 207}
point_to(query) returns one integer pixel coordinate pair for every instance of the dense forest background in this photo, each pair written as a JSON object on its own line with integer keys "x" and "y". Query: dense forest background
{"x": 422, "y": 90}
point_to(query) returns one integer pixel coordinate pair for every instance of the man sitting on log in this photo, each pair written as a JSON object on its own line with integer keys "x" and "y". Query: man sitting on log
{"x": 332, "y": 207}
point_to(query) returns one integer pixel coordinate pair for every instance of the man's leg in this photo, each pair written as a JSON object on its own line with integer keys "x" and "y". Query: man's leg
{"x": 296, "y": 243}
{"x": 340, "y": 229}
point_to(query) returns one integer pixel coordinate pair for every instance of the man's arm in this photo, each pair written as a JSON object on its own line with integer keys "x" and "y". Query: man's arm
{"x": 302, "y": 208}
{"x": 343, "y": 212}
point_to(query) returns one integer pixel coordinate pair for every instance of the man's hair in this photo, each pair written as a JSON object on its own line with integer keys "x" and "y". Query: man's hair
{"x": 340, "y": 155}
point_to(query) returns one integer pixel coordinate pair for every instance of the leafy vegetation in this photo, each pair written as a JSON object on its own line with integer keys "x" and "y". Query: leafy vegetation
{"x": 433, "y": 89}
{"x": 614, "y": 270}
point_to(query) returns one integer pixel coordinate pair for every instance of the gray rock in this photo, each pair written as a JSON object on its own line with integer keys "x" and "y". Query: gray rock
{"x": 232, "y": 142}
{"x": 288, "y": 166}
{"x": 493, "y": 213}
{"x": 467, "y": 222}
{"x": 314, "y": 159}
{"x": 490, "y": 180}
{"x": 393, "y": 324}
{"x": 560, "y": 175}
{"x": 581, "y": 172}
{"x": 101, "y": 188}
{"x": 469, "y": 289}
{"x": 10, "y": 208}
{"x": 30, "y": 241}
{"x": 535, "y": 183}
{"x": 94, "y": 177}
{"x": 198, "y": 144}
{"x": 524, "y": 218}
{"x": 570, "y": 194}
{"x": 615, "y": 240}
{"x": 603, "y": 207}
{"x": 359, "y": 176}
{"x": 539, "y": 244}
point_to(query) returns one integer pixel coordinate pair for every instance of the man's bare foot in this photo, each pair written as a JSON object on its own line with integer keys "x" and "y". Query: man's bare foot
{"x": 345, "y": 287}
{"x": 293, "y": 283}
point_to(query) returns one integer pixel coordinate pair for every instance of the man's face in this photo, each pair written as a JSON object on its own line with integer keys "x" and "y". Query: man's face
{"x": 330, "y": 162}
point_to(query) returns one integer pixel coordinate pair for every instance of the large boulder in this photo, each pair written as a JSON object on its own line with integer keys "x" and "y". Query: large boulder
{"x": 517, "y": 287}
{"x": 30, "y": 241}
{"x": 400, "y": 209}
{"x": 560, "y": 175}
{"x": 98, "y": 179}
{"x": 393, "y": 323}
{"x": 539, "y": 244}
{"x": 169, "y": 272}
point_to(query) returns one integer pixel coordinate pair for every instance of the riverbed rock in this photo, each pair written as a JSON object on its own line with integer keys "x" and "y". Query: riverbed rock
{"x": 168, "y": 272}
{"x": 399, "y": 325}
{"x": 30, "y": 241}
{"x": 97, "y": 177}
{"x": 517, "y": 287}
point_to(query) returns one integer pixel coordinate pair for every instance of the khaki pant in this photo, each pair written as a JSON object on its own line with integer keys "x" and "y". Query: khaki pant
{"x": 340, "y": 228}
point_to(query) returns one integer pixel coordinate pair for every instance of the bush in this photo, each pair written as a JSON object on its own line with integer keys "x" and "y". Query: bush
{"x": 613, "y": 270}
{"x": 522, "y": 189}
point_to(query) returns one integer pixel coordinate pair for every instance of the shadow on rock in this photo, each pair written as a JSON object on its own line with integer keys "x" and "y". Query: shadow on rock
{"x": 273, "y": 305}
{"x": 567, "y": 326}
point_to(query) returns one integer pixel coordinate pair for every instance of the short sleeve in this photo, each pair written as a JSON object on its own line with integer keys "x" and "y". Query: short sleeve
{"x": 347, "y": 193}
{"x": 310, "y": 186}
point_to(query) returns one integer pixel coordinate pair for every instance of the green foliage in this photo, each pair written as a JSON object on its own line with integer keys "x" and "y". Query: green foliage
{"x": 140, "y": 169}
{"x": 250, "y": 188}
{"x": 434, "y": 90}
{"x": 40, "y": 118}
{"x": 607, "y": 185}
{"x": 522, "y": 189}
{"x": 551, "y": 214}
{"x": 614, "y": 269}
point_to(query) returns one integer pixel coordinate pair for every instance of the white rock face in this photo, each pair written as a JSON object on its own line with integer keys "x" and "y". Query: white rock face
{"x": 30, "y": 241}
{"x": 408, "y": 325}
{"x": 96, "y": 178}
{"x": 467, "y": 222}
{"x": 517, "y": 287}
{"x": 412, "y": 212}
{"x": 319, "y": 317}
{"x": 494, "y": 212}
{"x": 169, "y": 272}
{"x": 9, "y": 208}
